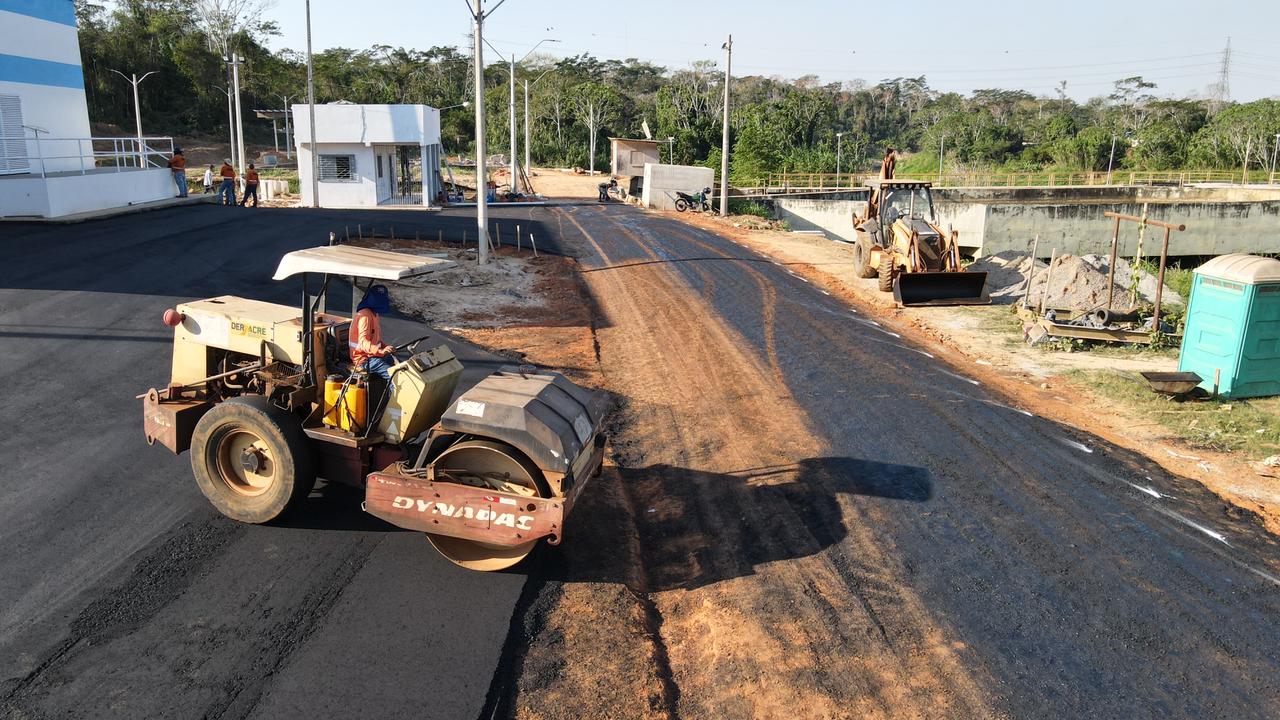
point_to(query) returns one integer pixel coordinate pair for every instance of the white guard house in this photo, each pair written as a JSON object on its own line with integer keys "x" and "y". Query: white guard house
{"x": 370, "y": 155}
{"x": 50, "y": 166}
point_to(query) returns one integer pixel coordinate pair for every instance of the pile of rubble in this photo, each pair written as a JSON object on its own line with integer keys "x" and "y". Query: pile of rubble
{"x": 1077, "y": 282}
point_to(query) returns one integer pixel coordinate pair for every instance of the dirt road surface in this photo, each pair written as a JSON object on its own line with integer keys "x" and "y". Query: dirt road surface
{"x": 834, "y": 523}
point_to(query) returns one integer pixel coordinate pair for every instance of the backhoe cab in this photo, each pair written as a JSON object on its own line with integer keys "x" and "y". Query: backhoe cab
{"x": 267, "y": 401}
{"x": 900, "y": 242}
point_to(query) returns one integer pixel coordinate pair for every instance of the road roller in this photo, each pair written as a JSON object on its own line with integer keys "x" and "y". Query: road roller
{"x": 266, "y": 400}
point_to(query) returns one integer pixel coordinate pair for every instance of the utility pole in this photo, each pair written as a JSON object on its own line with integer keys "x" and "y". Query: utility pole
{"x": 482, "y": 206}
{"x": 724, "y": 130}
{"x": 839, "y": 136}
{"x": 527, "y": 164}
{"x": 671, "y": 149}
{"x": 236, "y": 61}
{"x": 134, "y": 80}
{"x": 231, "y": 114}
{"x": 288, "y": 138}
{"x": 311, "y": 110}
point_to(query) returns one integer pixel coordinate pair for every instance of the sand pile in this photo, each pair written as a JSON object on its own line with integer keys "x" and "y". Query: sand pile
{"x": 1078, "y": 282}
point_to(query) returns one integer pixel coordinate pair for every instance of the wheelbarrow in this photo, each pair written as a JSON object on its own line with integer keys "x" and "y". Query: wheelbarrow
{"x": 1174, "y": 384}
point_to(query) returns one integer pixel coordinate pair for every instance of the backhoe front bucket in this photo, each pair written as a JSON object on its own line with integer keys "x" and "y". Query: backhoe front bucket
{"x": 941, "y": 288}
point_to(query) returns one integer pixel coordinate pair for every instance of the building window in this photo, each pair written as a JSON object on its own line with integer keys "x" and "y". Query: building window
{"x": 379, "y": 167}
{"x": 13, "y": 142}
{"x": 639, "y": 158}
{"x": 338, "y": 168}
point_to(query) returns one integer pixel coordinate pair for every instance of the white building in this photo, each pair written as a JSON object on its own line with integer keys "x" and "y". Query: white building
{"x": 50, "y": 165}
{"x": 370, "y": 154}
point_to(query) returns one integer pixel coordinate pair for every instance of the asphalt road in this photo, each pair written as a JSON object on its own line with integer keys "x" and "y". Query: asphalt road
{"x": 124, "y": 594}
{"x": 1083, "y": 580}
{"x": 1080, "y": 579}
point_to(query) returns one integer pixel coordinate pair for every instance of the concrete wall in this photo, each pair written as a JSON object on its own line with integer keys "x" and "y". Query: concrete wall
{"x": 71, "y": 194}
{"x": 834, "y": 218}
{"x": 361, "y": 192}
{"x": 662, "y": 181}
{"x": 990, "y": 220}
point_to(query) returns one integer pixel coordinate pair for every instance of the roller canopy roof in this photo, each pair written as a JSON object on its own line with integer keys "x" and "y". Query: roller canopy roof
{"x": 358, "y": 262}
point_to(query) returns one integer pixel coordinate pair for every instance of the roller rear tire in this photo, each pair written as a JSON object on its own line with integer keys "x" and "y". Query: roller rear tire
{"x": 251, "y": 459}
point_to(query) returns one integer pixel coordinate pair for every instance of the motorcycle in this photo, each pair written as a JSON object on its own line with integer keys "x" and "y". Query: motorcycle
{"x": 698, "y": 200}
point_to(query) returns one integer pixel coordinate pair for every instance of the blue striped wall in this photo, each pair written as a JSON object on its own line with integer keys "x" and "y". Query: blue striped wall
{"x": 40, "y": 72}
{"x": 62, "y": 12}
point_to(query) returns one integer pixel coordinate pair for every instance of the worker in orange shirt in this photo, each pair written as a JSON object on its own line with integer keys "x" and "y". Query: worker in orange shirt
{"x": 228, "y": 188}
{"x": 250, "y": 187}
{"x": 178, "y": 164}
{"x": 368, "y": 352}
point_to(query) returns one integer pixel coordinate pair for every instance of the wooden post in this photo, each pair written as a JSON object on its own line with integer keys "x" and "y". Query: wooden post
{"x": 1164, "y": 256}
{"x": 1031, "y": 271}
{"x": 1048, "y": 278}
{"x": 1111, "y": 268}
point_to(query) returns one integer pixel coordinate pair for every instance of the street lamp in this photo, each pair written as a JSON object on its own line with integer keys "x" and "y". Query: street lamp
{"x": 134, "y": 80}
{"x": 527, "y": 162}
{"x": 1112, "y": 158}
{"x": 511, "y": 109}
{"x": 464, "y": 103}
{"x": 288, "y": 136}
{"x": 839, "y": 136}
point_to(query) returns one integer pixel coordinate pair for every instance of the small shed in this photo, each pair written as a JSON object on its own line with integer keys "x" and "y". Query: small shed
{"x": 627, "y": 160}
{"x": 1233, "y": 326}
{"x": 370, "y": 155}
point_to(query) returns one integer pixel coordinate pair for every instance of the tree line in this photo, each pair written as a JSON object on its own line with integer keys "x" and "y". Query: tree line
{"x": 776, "y": 124}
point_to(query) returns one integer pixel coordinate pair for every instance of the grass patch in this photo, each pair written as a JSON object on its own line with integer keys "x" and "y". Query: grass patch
{"x": 749, "y": 207}
{"x": 1250, "y": 427}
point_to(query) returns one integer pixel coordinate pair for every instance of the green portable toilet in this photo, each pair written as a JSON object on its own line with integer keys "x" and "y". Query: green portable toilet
{"x": 1233, "y": 326}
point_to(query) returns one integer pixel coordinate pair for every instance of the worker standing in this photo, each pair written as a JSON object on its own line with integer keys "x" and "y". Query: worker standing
{"x": 890, "y": 162}
{"x": 365, "y": 343}
{"x": 208, "y": 180}
{"x": 227, "y": 190}
{"x": 178, "y": 164}
{"x": 250, "y": 187}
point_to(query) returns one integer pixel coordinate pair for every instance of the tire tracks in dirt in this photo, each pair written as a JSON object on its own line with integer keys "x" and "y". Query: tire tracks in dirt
{"x": 774, "y": 598}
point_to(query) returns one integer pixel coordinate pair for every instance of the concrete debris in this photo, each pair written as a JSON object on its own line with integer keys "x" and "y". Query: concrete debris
{"x": 1078, "y": 282}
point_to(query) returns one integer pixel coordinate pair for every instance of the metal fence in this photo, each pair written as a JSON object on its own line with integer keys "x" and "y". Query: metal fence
{"x": 47, "y": 155}
{"x": 831, "y": 181}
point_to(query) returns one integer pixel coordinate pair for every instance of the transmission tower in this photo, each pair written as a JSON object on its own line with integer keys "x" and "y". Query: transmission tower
{"x": 1222, "y": 88}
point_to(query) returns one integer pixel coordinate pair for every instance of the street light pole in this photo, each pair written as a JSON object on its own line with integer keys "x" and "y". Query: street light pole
{"x": 724, "y": 130}
{"x": 671, "y": 149}
{"x": 839, "y": 137}
{"x": 942, "y": 145}
{"x": 311, "y": 112}
{"x": 288, "y": 139}
{"x": 1112, "y": 159}
{"x": 526, "y": 126}
{"x": 236, "y": 61}
{"x": 134, "y": 80}
{"x": 1276, "y": 149}
{"x": 511, "y": 121}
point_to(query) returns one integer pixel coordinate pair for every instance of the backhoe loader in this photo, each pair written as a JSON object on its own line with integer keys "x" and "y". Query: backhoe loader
{"x": 266, "y": 399}
{"x": 899, "y": 241}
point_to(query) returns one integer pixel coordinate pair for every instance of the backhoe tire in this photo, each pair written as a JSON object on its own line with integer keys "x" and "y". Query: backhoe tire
{"x": 862, "y": 266}
{"x": 251, "y": 459}
{"x": 887, "y": 272}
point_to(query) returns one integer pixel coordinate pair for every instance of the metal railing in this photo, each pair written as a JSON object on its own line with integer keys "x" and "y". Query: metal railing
{"x": 47, "y": 155}
{"x": 793, "y": 181}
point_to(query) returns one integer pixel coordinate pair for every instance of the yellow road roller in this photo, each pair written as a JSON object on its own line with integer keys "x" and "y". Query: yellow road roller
{"x": 266, "y": 400}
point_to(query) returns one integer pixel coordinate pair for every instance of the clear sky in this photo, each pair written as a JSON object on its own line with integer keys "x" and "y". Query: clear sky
{"x": 958, "y": 46}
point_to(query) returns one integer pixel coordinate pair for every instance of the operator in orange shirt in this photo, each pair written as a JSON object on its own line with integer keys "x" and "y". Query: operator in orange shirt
{"x": 227, "y": 190}
{"x": 178, "y": 164}
{"x": 365, "y": 343}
